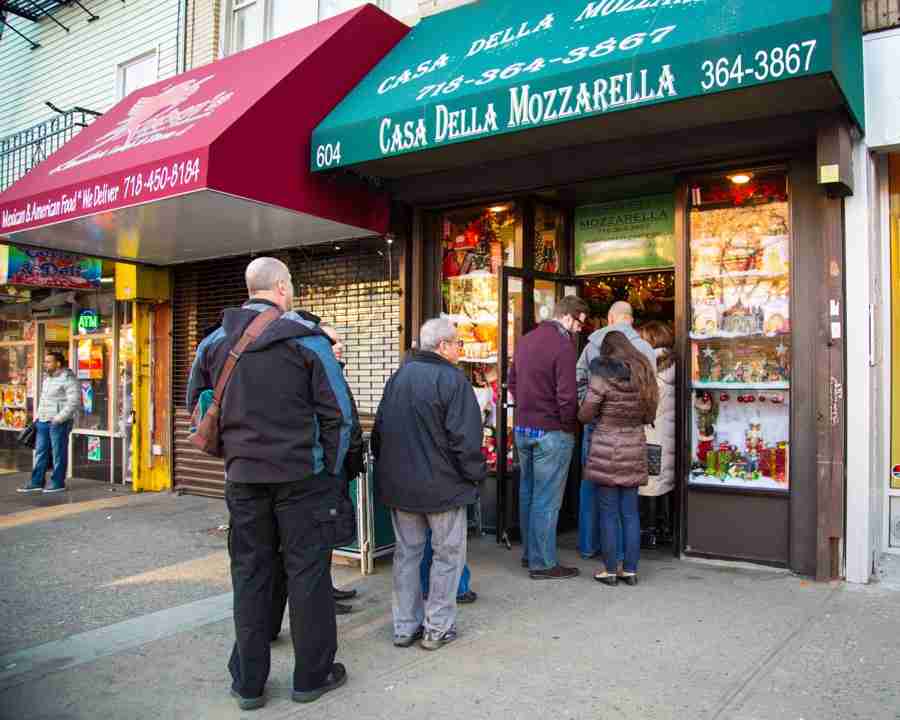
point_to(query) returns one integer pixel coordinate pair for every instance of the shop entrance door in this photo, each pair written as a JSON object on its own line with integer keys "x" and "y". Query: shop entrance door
{"x": 527, "y": 297}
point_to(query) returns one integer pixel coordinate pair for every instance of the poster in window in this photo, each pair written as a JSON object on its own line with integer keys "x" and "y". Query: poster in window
{"x": 625, "y": 235}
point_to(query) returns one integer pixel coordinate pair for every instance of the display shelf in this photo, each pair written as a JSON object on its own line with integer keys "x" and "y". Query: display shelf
{"x": 724, "y": 335}
{"x": 480, "y": 320}
{"x": 739, "y": 275}
{"x": 763, "y": 483}
{"x": 709, "y": 385}
{"x": 480, "y": 361}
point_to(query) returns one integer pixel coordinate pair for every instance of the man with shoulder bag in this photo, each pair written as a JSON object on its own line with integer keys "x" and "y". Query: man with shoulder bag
{"x": 283, "y": 421}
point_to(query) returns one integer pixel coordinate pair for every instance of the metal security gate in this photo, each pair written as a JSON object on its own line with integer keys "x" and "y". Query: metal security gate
{"x": 352, "y": 287}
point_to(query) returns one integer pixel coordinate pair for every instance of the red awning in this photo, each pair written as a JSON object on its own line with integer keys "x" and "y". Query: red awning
{"x": 214, "y": 161}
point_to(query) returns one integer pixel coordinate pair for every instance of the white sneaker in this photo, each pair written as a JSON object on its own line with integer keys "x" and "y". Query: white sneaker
{"x": 48, "y": 491}
{"x": 28, "y": 489}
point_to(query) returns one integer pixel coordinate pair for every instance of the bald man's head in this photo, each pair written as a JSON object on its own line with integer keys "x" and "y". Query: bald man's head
{"x": 620, "y": 312}
{"x": 270, "y": 279}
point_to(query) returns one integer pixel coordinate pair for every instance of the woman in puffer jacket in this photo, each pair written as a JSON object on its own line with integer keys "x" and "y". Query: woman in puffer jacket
{"x": 622, "y": 398}
{"x": 662, "y": 432}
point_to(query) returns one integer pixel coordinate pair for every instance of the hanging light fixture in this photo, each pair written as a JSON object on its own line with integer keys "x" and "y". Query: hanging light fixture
{"x": 741, "y": 178}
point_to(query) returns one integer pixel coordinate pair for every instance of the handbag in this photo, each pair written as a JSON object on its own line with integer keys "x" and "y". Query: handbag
{"x": 28, "y": 436}
{"x": 654, "y": 459}
{"x": 336, "y": 521}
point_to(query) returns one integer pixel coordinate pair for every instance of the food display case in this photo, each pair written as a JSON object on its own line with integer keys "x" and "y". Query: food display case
{"x": 740, "y": 332}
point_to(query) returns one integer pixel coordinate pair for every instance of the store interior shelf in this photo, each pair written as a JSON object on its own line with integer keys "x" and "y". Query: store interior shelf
{"x": 722, "y": 335}
{"x": 479, "y": 320}
{"x": 707, "y": 385}
{"x": 763, "y": 483}
{"x": 480, "y": 361}
{"x": 738, "y": 275}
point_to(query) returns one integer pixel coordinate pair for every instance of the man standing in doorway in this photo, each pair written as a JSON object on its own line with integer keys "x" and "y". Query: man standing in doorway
{"x": 60, "y": 400}
{"x": 542, "y": 381}
{"x": 428, "y": 464}
{"x": 285, "y": 429}
{"x": 621, "y": 319}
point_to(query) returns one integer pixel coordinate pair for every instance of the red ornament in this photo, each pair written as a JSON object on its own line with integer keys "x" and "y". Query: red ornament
{"x": 724, "y": 397}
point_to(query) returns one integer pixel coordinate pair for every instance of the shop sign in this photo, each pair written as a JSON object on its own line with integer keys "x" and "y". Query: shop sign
{"x": 40, "y": 267}
{"x": 500, "y": 66}
{"x": 635, "y": 234}
{"x": 88, "y": 322}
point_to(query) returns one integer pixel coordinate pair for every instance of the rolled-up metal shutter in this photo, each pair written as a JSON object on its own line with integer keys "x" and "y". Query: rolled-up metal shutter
{"x": 353, "y": 287}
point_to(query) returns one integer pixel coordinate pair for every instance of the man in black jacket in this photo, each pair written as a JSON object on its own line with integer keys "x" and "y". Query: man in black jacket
{"x": 428, "y": 464}
{"x": 285, "y": 426}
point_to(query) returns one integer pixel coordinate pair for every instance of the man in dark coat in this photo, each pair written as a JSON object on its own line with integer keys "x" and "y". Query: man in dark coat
{"x": 285, "y": 426}
{"x": 428, "y": 464}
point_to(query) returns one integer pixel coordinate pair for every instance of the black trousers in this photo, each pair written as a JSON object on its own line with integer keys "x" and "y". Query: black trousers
{"x": 280, "y": 594}
{"x": 265, "y": 517}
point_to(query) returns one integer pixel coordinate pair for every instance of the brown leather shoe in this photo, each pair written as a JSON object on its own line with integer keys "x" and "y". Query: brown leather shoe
{"x": 555, "y": 573}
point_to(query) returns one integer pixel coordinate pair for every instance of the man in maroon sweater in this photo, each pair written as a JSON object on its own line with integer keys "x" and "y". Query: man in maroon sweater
{"x": 542, "y": 381}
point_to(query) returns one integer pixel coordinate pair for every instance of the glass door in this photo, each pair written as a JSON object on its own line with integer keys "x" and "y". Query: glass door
{"x": 527, "y": 298}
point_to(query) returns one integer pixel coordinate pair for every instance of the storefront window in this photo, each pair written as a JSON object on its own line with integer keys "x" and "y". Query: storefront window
{"x": 549, "y": 227}
{"x": 740, "y": 331}
{"x": 93, "y": 368}
{"x": 16, "y": 373}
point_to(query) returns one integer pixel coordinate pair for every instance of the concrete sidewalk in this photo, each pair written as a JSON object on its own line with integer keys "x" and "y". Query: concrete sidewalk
{"x": 691, "y": 641}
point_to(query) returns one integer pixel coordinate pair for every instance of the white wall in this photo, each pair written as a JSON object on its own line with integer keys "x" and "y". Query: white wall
{"x": 79, "y": 67}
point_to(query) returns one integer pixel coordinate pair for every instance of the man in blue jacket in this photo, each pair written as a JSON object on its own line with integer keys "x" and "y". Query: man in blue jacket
{"x": 428, "y": 465}
{"x": 285, "y": 427}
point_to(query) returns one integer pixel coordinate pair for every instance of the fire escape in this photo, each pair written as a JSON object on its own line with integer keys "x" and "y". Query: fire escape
{"x": 22, "y": 150}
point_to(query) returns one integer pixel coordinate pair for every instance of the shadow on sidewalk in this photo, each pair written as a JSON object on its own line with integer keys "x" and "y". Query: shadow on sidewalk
{"x": 78, "y": 490}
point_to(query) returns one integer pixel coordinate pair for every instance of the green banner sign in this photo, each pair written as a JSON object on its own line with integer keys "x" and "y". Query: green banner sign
{"x": 635, "y": 234}
{"x": 501, "y": 66}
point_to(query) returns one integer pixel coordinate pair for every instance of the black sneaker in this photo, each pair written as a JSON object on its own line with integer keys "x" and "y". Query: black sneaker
{"x": 405, "y": 641}
{"x": 343, "y": 594}
{"x": 467, "y": 598}
{"x": 336, "y": 678}
{"x": 433, "y": 641}
{"x": 342, "y": 609}
{"x": 555, "y": 573}
{"x": 248, "y": 703}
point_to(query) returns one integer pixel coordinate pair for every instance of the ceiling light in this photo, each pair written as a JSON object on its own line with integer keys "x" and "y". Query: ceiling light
{"x": 741, "y": 178}
{"x": 499, "y": 208}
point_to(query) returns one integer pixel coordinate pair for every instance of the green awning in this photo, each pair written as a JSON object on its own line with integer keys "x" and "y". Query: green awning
{"x": 506, "y": 66}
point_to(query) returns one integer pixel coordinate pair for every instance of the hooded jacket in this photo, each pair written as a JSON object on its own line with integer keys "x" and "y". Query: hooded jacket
{"x": 60, "y": 397}
{"x": 287, "y": 412}
{"x": 592, "y": 350}
{"x": 427, "y": 437}
{"x": 617, "y": 456}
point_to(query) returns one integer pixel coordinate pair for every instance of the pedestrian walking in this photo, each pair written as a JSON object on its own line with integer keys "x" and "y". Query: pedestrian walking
{"x": 428, "y": 465}
{"x": 542, "y": 381}
{"x": 285, "y": 428}
{"x": 620, "y": 318}
{"x": 60, "y": 401}
{"x": 621, "y": 399}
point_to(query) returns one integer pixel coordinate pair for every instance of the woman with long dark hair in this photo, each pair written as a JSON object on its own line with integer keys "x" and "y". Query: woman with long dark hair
{"x": 621, "y": 399}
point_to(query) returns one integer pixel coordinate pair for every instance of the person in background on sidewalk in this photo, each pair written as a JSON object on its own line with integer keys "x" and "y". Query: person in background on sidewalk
{"x": 285, "y": 428}
{"x": 620, "y": 318}
{"x": 621, "y": 399}
{"x": 353, "y": 467}
{"x": 428, "y": 466}
{"x": 60, "y": 400}
{"x": 542, "y": 381}
{"x": 464, "y": 594}
{"x": 662, "y": 432}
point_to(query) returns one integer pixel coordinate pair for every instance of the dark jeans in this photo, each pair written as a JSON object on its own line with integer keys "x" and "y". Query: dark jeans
{"x": 265, "y": 517}
{"x": 49, "y": 439}
{"x": 618, "y": 502}
{"x": 590, "y": 519}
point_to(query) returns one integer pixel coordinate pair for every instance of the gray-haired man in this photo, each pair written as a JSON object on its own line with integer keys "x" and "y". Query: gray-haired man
{"x": 427, "y": 445}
